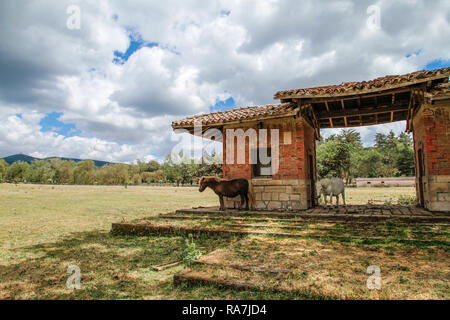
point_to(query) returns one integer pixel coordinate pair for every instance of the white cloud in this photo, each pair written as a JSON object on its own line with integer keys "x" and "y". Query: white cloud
{"x": 207, "y": 51}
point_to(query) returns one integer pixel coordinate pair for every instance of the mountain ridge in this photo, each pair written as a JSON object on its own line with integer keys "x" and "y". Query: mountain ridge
{"x": 26, "y": 158}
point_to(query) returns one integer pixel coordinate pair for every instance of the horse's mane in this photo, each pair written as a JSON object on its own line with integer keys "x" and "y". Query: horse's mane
{"x": 217, "y": 179}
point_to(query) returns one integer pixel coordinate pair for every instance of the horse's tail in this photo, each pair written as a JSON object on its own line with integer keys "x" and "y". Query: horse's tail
{"x": 250, "y": 193}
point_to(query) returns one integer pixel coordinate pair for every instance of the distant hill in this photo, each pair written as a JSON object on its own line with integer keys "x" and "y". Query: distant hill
{"x": 29, "y": 159}
{"x": 19, "y": 157}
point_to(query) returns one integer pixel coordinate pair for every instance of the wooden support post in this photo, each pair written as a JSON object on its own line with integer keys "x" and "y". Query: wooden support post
{"x": 326, "y": 106}
{"x": 342, "y": 104}
{"x": 408, "y": 119}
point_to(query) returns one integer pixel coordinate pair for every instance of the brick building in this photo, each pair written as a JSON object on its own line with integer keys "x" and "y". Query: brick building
{"x": 421, "y": 98}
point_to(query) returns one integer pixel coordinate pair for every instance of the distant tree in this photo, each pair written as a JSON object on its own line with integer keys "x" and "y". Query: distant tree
{"x": 405, "y": 155}
{"x": 113, "y": 174}
{"x": 17, "y": 172}
{"x": 40, "y": 171}
{"x": 136, "y": 179}
{"x": 327, "y": 164}
{"x": 208, "y": 169}
{"x": 343, "y": 155}
{"x": 65, "y": 172}
{"x": 397, "y": 154}
{"x": 3, "y": 166}
{"x": 154, "y": 177}
{"x": 334, "y": 155}
{"x": 153, "y": 166}
{"x": 365, "y": 163}
{"x": 84, "y": 172}
{"x": 172, "y": 171}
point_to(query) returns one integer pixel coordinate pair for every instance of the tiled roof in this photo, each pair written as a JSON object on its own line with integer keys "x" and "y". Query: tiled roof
{"x": 379, "y": 84}
{"x": 245, "y": 113}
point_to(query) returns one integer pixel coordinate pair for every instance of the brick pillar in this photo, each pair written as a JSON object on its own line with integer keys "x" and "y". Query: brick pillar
{"x": 431, "y": 127}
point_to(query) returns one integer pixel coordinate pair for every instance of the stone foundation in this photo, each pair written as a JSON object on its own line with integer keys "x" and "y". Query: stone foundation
{"x": 285, "y": 195}
{"x": 437, "y": 193}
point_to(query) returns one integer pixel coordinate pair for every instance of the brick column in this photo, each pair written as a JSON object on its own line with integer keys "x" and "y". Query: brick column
{"x": 431, "y": 127}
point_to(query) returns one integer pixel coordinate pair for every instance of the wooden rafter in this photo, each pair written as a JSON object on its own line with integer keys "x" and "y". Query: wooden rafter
{"x": 348, "y": 113}
{"x": 355, "y": 97}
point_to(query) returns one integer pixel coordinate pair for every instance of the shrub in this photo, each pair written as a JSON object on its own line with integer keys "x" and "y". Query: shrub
{"x": 191, "y": 253}
{"x": 405, "y": 200}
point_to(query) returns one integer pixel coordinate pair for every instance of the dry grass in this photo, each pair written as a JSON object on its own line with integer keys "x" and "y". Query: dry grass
{"x": 44, "y": 229}
{"x": 376, "y": 195}
{"x": 31, "y": 214}
{"x": 332, "y": 270}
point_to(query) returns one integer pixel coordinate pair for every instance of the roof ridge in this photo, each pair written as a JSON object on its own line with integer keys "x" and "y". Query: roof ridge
{"x": 348, "y": 86}
{"x": 223, "y": 116}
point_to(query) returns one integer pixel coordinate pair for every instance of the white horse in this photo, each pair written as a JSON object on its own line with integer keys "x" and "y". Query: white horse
{"x": 331, "y": 187}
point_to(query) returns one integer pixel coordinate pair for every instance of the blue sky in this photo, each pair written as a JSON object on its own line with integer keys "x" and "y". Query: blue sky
{"x": 437, "y": 64}
{"x": 51, "y": 123}
{"x": 136, "y": 43}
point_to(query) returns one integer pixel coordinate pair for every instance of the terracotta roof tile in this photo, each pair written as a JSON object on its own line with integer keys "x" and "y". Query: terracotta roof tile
{"x": 349, "y": 88}
{"x": 245, "y": 113}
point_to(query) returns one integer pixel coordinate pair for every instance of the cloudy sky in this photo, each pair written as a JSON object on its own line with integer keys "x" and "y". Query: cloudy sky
{"x": 109, "y": 87}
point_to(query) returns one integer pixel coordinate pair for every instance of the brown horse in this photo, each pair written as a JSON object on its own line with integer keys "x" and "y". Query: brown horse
{"x": 229, "y": 188}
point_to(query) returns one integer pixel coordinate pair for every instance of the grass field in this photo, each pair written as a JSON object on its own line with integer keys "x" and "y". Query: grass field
{"x": 44, "y": 229}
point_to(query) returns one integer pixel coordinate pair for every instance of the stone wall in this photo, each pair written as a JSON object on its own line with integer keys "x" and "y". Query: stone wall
{"x": 431, "y": 127}
{"x": 285, "y": 195}
{"x": 386, "y": 182}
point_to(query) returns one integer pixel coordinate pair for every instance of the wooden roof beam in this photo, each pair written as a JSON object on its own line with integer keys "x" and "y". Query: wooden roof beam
{"x": 348, "y": 113}
{"x": 306, "y": 100}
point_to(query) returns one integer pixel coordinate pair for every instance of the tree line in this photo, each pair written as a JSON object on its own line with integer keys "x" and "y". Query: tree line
{"x": 57, "y": 171}
{"x": 339, "y": 155}
{"x": 343, "y": 155}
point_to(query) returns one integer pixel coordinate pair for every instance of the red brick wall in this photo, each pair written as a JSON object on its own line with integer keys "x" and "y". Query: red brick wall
{"x": 235, "y": 170}
{"x": 432, "y": 134}
{"x": 293, "y": 156}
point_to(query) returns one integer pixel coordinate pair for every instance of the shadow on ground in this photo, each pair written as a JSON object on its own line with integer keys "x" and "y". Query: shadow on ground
{"x": 112, "y": 267}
